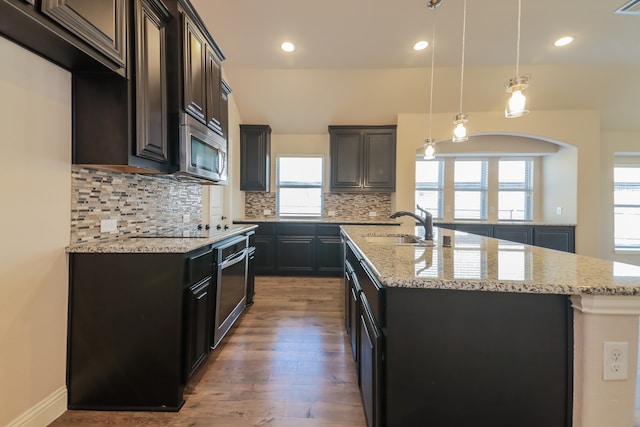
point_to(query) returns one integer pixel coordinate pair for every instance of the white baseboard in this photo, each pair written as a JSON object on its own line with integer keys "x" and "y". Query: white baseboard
{"x": 45, "y": 412}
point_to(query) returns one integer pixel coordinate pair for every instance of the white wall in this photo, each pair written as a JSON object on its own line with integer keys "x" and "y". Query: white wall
{"x": 35, "y": 189}
{"x": 559, "y": 184}
{"x": 301, "y": 145}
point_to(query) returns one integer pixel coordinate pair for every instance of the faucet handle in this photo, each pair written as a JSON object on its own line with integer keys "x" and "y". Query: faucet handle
{"x": 424, "y": 211}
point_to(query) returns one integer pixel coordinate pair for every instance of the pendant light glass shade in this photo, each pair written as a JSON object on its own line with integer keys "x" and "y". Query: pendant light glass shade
{"x": 517, "y": 103}
{"x": 460, "y": 132}
{"x": 429, "y": 149}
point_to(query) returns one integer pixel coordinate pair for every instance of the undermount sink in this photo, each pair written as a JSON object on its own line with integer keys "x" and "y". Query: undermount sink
{"x": 397, "y": 239}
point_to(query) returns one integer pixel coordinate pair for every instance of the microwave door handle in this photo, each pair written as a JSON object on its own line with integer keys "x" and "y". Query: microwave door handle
{"x": 221, "y": 162}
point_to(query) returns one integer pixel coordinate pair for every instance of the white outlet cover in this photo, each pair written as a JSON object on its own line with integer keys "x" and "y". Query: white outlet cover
{"x": 615, "y": 361}
{"x": 186, "y": 218}
{"x": 108, "y": 225}
{"x": 266, "y": 212}
{"x": 332, "y": 213}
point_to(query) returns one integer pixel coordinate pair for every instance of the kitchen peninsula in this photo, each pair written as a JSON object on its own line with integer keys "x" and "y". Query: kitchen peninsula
{"x": 487, "y": 332}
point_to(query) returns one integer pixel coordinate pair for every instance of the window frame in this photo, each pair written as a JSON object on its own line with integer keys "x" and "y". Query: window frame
{"x": 438, "y": 188}
{"x": 526, "y": 187}
{"x": 624, "y": 162}
{"x": 482, "y": 187}
{"x": 300, "y": 185}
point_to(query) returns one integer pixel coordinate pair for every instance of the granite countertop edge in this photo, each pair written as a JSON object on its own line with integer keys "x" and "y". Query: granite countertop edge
{"x": 156, "y": 244}
{"x": 395, "y": 270}
{"x": 318, "y": 220}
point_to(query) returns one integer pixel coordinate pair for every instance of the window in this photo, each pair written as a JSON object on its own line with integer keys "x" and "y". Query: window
{"x": 515, "y": 190}
{"x": 470, "y": 185}
{"x": 626, "y": 211}
{"x": 299, "y": 185}
{"x": 429, "y": 186}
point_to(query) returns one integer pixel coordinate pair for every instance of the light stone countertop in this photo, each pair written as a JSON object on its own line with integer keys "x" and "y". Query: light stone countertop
{"x": 157, "y": 244}
{"x": 378, "y": 220}
{"x": 480, "y": 263}
{"x": 525, "y": 223}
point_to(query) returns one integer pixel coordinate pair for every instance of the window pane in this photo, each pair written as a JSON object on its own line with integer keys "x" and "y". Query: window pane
{"x": 428, "y": 173}
{"x": 470, "y": 174}
{"x": 626, "y": 197}
{"x": 300, "y": 201}
{"x": 512, "y": 171}
{"x": 512, "y": 205}
{"x": 300, "y": 170}
{"x": 299, "y": 182}
{"x": 429, "y": 200}
{"x": 470, "y": 205}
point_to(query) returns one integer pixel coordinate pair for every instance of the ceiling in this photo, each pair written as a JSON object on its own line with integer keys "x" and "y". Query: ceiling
{"x": 354, "y": 63}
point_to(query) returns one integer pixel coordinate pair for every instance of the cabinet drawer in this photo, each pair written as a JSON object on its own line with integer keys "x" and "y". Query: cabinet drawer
{"x": 199, "y": 265}
{"x": 296, "y": 229}
{"x": 265, "y": 229}
{"x": 327, "y": 230}
{"x": 373, "y": 292}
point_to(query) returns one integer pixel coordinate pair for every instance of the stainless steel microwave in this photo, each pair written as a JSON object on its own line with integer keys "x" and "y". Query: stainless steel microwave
{"x": 203, "y": 153}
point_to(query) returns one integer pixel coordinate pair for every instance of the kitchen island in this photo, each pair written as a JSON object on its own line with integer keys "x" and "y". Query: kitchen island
{"x": 487, "y": 332}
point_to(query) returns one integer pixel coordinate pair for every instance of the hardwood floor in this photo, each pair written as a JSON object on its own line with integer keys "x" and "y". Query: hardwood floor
{"x": 286, "y": 363}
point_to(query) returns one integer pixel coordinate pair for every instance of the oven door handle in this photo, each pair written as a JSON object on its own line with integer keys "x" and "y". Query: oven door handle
{"x": 239, "y": 257}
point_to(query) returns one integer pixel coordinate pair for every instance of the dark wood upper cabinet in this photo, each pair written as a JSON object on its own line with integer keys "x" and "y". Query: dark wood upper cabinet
{"x": 363, "y": 158}
{"x": 201, "y": 73}
{"x": 100, "y": 23}
{"x": 255, "y": 152}
{"x": 151, "y": 83}
{"x": 224, "y": 109}
{"x": 122, "y": 123}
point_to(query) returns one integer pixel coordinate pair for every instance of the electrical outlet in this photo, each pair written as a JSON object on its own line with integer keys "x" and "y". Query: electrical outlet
{"x": 492, "y": 209}
{"x": 372, "y": 213}
{"x": 332, "y": 213}
{"x": 108, "y": 225}
{"x": 615, "y": 360}
{"x": 559, "y": 210}
{"x": 186, "y": 218}
{"x": 266, "y": 212}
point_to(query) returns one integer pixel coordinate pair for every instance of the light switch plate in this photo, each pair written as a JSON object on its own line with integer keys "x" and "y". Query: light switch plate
{"x": 372, "y": 213}
{"x": 186, "y": 218}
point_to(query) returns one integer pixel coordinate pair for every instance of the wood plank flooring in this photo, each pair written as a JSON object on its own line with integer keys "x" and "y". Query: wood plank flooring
{"x": 286, "y": 363}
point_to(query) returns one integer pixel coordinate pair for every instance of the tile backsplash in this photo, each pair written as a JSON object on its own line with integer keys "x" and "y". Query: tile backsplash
{"x": 142, "y": 205}
{"x": 350, "y": 206}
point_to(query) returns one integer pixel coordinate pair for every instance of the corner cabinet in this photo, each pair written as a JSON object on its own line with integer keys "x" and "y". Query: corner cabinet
{"x": 363, "y": 159}
{"x": 122, "y": 123}
{"x": 255, "y": 153}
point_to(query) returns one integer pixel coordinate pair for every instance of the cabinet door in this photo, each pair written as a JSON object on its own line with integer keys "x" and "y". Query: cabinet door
{"x": 194, "y": 84}
{"x": 151, "y": 83}
{"x": 265, "y": 261}
{"x": 197, "y": 325}
{"x": 479, "y": 229}
{"x": 100, "y": 23}
{"x": 346, "y": 159}
{"x": 329, "y": 256}
{"x": 555, "y": 237}
{"x": 295, "y": 254}
{"x": 213, "y": 89}
{"x": 514, "y": 233}
{"x": 354, "y": 320}
{"x": 379, "y": 152}
{"x": 370, "y": 366}
{"x": 224, "y": 109}
{"x": 255, "y": 152}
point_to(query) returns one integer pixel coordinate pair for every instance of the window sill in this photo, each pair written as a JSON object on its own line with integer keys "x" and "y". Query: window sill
{"x": 627, "y": 251}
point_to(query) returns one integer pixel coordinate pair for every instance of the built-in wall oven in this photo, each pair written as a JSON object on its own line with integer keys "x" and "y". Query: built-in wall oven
{"x": 231, "y": 286}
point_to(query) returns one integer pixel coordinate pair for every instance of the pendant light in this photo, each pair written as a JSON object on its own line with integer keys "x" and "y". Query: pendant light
{"x": 429, "y": 144}
{"x": 460, "y": 132}
{"x": 517, "y": 88}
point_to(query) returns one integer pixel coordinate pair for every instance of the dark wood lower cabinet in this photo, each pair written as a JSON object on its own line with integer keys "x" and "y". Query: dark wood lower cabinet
{"x": 295, "y": 254}
{"x": 329, "y": 255}
{"x": 559, "y": 237}
{"x": 265, "y": 257}
{"x": 460, "y": 358}
{"x": 198, "y": 300}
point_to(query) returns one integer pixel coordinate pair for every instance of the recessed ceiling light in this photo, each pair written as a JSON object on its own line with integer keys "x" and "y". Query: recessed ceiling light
{"x": 421, "y": 45}
{"x": 563, "y": 41}
{"x": 288, "y": 46}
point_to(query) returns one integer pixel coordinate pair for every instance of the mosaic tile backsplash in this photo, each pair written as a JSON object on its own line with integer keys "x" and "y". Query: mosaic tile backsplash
{"x": 142, "y": 205}
{"x": 348, "y": 206}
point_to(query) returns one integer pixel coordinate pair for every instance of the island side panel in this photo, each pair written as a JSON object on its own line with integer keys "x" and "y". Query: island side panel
{"x": 478, "y": 358}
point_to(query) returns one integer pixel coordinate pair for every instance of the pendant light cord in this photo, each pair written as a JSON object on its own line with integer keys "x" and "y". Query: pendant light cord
{"x": 433, "y": 61}
{"x": 464, "y": 30}
{"x": 518, "y": 39}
